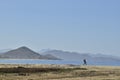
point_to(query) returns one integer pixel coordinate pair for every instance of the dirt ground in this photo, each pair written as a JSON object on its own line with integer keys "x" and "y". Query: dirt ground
{"x": 58, "y": 72}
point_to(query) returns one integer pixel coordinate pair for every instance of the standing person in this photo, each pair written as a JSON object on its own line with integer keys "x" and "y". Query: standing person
{"x": 85, "y": 62}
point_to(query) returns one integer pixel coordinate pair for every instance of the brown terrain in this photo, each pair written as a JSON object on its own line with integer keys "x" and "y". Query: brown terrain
{"x": 58, "y": 72}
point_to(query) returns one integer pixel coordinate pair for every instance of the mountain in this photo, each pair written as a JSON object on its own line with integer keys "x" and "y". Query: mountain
{"x": 66, "y": 55}
{"x": 49, "y": 56}
{"x": 91, "y": 58}
{"x": 24, "y": 53}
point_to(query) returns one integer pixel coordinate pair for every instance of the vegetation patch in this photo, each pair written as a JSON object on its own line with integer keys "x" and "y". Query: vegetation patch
{"x": 37, "y": 70}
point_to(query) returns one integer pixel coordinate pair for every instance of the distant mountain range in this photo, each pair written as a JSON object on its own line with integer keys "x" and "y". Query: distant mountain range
{"x": 91, "y": 58}
{"x": 25, "y": 53}
{"x": 48, "y": 54}
{"x": 66, "y": 55}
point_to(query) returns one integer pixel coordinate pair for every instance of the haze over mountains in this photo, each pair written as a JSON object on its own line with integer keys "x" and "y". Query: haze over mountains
{"x": 4, "y": 50}
{"x": 91, "y": 58}
{"x": 66, "y": 55}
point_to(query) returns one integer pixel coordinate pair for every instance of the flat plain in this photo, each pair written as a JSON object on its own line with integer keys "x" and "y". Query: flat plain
{"x": 58, "y": 72}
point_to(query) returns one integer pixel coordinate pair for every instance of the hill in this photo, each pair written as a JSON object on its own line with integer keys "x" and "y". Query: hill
{"x": 24, "y": 53}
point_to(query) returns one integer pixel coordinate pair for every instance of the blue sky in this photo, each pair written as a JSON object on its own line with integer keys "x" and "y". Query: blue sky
{"x": 90, "y": 26}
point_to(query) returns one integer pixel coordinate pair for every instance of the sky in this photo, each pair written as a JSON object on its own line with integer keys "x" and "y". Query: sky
{"x": 85, "y": 26}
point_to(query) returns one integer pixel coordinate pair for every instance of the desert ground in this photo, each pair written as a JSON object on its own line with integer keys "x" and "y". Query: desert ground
{"x": 58, "y": 72}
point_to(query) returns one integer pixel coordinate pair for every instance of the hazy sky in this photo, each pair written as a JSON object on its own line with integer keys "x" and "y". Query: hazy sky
{"x": 90, "y": 26}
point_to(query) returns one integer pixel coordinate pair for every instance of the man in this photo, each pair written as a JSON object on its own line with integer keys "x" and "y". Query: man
{"x": 85, "y": 62}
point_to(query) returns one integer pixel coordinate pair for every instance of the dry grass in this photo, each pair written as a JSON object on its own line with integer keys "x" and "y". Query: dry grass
{"x": 58, "y": 72}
